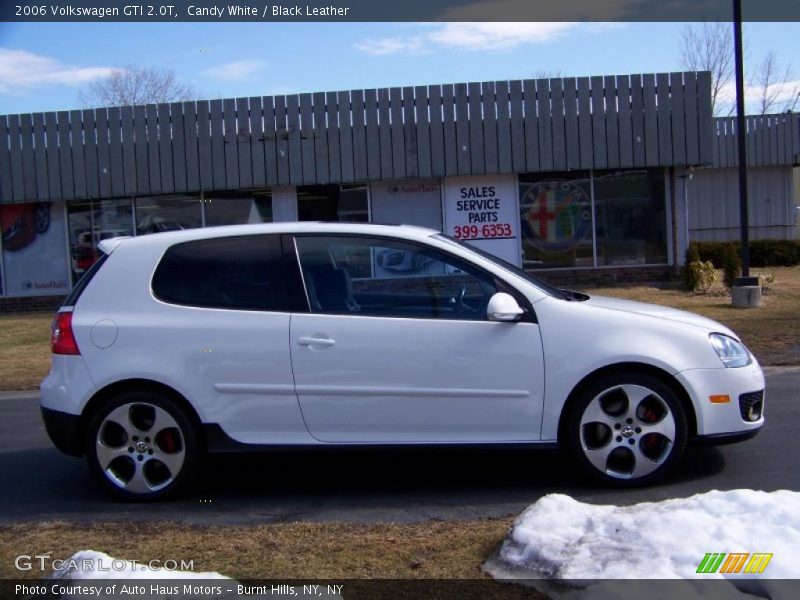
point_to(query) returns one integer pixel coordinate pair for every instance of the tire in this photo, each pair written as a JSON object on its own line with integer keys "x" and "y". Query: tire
{"x": 141, "y": 446}
{"x": 626, "y": 430}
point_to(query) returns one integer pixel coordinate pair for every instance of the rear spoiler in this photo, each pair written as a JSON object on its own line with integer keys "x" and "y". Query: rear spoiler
{"x": 109, "y": 245}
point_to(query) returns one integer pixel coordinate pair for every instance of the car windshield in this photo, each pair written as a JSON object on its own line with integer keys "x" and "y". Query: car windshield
{"x": 515, "y": 270}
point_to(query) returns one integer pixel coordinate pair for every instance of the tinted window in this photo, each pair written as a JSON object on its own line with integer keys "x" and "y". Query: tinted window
{"x": 231, "y": 272}
{"x": 391, "y": 278}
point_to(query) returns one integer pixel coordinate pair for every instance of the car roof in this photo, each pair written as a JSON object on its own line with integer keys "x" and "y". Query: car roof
{"x": 168, "y": 238}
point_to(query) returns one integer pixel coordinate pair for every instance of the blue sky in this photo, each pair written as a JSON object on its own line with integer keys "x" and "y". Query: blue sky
{"x": 43, "y": 66}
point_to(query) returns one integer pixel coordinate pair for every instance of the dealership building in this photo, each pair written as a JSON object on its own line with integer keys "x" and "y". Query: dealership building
{"x": 591, "y": 178}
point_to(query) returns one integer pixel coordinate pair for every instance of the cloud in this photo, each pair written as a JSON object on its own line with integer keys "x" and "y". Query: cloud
{"x": 392, "y": 45}
{"x": 237, "y": 70}
{"x": 779, "y": 93}
{"x": 23, "y": 70}
{"x": 496, "y": 36}
{"x": 467, "y": 36}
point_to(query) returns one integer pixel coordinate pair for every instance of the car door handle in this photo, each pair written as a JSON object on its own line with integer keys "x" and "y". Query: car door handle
{"x": 316, "y": 341}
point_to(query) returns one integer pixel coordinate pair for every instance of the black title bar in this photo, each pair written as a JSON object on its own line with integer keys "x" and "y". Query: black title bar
{"x": 398, "y": 10}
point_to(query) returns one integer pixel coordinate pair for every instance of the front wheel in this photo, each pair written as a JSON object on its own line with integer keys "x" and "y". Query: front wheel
{"x": 142, "y": 446}
{"x": 627, "y": 430}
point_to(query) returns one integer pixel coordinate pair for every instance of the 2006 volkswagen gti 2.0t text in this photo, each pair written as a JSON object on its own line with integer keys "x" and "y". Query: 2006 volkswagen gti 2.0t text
{"x": 323, "y": 334}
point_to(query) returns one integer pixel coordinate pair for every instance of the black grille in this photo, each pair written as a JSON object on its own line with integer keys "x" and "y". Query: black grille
{"x": 754, "y": 400}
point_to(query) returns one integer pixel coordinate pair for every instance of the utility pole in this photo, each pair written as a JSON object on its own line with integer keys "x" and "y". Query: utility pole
{"x": 746, "y": 291}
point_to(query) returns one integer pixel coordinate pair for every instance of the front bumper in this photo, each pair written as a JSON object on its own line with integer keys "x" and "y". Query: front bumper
{"x": 64, "y": 430}
{"x": 720, "y": 439}
{"x": 723, "y": 420}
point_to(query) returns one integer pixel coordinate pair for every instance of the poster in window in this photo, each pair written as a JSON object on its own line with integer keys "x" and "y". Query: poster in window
{"x": 483, "y": 211}
{"x": 34, "y": 249}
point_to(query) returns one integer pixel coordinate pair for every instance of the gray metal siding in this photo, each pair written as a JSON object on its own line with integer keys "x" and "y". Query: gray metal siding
{"x": 713, "y": 204}
{"x": 386, "y": 134}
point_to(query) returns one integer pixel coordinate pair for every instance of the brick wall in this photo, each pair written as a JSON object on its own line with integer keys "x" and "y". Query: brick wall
{"x": 606, "y": 275}
{"x": 19, "y": 304}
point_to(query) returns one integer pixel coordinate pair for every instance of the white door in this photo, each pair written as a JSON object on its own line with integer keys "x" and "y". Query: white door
{"x": 397, "y": 348}
{"x": 223, "y": 324}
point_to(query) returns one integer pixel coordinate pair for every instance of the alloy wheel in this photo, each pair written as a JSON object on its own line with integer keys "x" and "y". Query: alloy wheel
{"x": 627, "y": 431}
{"x": 140, "y": 448}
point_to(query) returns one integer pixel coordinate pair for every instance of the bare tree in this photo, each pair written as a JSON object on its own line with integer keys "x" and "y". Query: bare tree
{"x": 131, "y": 85}
{"x": 547, "y": 74}
{"x": 709, "y": 47}
{"x": 777, "y": 92}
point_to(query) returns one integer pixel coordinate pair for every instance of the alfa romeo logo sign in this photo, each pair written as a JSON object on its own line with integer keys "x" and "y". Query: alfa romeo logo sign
{"x": 556, "y": 215}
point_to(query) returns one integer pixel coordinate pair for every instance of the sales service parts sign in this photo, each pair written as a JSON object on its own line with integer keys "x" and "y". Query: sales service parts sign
{"x": 484, "y": 211}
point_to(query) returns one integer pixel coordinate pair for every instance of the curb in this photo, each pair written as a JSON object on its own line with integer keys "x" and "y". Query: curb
{"x": 20, "y": 395}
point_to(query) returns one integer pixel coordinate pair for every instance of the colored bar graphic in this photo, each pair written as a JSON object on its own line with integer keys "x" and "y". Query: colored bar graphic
{"x": 734, "y": 562}
{"x": 711, "y": 562}
{"x": 714, "y": 562}
{"x": 758, "y": 562}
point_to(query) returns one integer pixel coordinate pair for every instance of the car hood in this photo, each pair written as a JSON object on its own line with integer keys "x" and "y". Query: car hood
{"x": 658, "y": 312}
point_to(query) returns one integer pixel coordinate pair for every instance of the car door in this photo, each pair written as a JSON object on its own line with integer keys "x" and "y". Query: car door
{"x": 397, "y": 347}
{"x": 223, "y": 320}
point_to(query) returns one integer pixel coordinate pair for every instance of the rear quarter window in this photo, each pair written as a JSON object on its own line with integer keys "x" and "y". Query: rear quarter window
{"x": 239, "y": 273}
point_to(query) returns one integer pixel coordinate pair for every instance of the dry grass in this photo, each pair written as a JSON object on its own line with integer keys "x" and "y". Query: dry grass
{"x": 773, "y": 332}
{"x": 441, "y": 550}
{"x": 24, "y": 350}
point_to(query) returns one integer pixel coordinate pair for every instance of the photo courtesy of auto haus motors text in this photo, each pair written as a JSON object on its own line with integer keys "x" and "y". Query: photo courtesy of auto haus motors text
{"x": 178, "y": 591}
{"x": 484, "y": 212}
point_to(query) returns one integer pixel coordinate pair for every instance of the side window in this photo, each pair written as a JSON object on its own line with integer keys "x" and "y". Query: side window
{"x": 243, "y": 272}
{"x": 390, "y": 278}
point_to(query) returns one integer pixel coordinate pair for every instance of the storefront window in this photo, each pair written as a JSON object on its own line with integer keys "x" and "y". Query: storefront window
{"x": 556, "y": 219}
{"x": 238, "y": 207}
{"x": 34, "y": 260}
{"x": 347, "y": 203}
{"x": 167, "y": 213}
{"x": 414, "y": 202}
{"x": 91, "y": 222}
{"x": 630, "y": 217}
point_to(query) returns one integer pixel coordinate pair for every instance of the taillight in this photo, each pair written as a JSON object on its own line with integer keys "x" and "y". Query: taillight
{"x": 62, "y": 340}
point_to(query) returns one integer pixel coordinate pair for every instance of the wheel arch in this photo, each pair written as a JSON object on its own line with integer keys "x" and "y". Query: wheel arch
{"x": 631, "y": 368}
{"x": 149, "y": 385}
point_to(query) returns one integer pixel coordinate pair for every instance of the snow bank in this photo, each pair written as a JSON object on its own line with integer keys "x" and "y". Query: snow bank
{"x": 561, "y": 539}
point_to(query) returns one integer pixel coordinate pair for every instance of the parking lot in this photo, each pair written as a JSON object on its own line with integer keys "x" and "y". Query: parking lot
{"x": 375, "y": 485}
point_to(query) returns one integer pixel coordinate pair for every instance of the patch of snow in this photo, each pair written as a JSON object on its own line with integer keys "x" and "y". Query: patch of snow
{"x": 559, "y": 539}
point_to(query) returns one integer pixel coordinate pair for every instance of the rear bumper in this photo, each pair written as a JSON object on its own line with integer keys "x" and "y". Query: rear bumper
{"x": 64, "y": 431}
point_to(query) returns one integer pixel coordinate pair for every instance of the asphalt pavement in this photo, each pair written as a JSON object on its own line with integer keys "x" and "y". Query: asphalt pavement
{"x": 39, "y": 483}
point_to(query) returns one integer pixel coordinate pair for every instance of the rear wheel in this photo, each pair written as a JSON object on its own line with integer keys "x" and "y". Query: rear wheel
{"x": 142, "y": 446}
{"x": 627, "y": 430}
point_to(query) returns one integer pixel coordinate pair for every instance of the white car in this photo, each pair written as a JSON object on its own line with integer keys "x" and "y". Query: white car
{"x": 253, "y": 336}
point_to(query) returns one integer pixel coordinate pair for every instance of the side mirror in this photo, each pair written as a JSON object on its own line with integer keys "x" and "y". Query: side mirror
{"x": 503, "y": 307}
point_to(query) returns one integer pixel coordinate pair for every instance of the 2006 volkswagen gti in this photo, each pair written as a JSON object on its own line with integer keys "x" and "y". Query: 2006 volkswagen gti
{"x": 306, "y": 334}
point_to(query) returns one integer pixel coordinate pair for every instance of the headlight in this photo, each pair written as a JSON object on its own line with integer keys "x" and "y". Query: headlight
{"x": 730, "y": 352}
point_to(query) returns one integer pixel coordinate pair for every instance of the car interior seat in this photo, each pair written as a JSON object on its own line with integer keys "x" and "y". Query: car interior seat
{"x": 330, "y": 289}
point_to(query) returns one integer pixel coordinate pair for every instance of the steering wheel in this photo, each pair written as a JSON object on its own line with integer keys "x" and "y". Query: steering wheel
{"x": 460, "y": 305}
